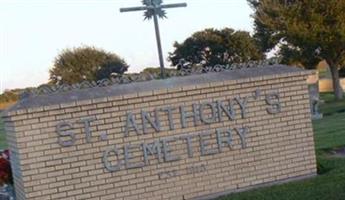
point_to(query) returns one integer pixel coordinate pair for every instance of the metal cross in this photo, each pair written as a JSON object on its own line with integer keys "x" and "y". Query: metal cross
{"x": 153, "y": 8}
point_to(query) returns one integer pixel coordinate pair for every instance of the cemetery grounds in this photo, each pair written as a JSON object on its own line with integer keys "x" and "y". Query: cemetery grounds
{"x": 329, "y": 134}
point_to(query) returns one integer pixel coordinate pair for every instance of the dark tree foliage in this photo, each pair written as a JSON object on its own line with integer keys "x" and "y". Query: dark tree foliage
{"x": 10, "y": 95}
{"x": 85, "y": 63}
{"x": 307, "y": 31}
{"x": 342, "y": 72}
{"x": 305, "y": 58}
{"x": 212, "y": 46}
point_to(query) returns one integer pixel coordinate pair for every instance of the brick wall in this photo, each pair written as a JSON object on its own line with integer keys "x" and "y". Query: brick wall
{"x": 86, "y": 146}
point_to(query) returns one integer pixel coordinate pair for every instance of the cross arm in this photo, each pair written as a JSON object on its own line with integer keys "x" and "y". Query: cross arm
{"x": 139, "y": 8}
{"x": 174, "y": 5}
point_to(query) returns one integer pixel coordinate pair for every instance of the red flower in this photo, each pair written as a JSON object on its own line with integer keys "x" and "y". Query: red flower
{"x": 5, "y": 171}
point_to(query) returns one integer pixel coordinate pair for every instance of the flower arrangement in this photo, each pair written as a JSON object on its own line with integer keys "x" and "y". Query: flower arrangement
{"x": 6, "y": 179}
{"x": 5, "y": 169}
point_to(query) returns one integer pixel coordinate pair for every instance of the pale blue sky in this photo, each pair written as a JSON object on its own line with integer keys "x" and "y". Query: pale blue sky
{"x": 33, "y": 32}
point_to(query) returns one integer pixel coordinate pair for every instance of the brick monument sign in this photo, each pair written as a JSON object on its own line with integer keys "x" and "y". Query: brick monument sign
{"x": 187, "y": 137}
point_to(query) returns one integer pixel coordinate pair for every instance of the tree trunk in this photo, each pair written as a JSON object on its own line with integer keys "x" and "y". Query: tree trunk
{"x": 338, "y": 91}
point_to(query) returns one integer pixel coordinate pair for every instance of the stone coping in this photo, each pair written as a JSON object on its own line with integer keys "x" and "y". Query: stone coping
{"x": 100, "y": 94}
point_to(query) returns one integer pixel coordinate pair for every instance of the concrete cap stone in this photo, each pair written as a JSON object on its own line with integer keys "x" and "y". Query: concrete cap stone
{"x": 70, "y": 97}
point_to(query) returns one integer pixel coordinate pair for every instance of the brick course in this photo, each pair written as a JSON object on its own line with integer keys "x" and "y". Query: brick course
{"x": 279, "y": 146}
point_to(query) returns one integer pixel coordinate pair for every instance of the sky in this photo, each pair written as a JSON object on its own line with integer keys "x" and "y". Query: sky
{"x": 34, "y": 32}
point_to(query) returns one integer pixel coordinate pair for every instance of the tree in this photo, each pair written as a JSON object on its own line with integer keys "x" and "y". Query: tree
{"x": 9, "y": 96}
{"x": 309, "y": 31}
{"x": 212, "y": 46}
{"x": 85, "y": 63}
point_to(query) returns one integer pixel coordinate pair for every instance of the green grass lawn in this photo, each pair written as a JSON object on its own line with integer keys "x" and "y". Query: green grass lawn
{"x": 3, "y": 144}
{"x": 330, "y": 183}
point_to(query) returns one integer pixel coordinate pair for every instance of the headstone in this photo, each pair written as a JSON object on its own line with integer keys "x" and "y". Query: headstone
{"x": 314, "y": 96}
{"x": 315, "y": 101}
{"x": 190, "y": 137}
